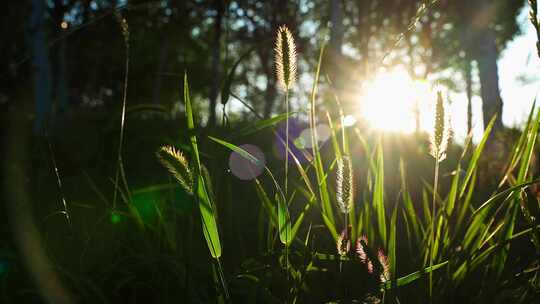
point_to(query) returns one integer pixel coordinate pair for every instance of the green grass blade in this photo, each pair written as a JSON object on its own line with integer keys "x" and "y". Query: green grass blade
{"x": 206, "y": 207}
{"x": 414, "y": 276}
{"x": 378, "y": 195}
{"x": 392, "y": 244}
{"x": 261, "y": 125}
{"x": 473, "y": 163}
{"x": 209, "y": 221}
{"x": 284, "y": 220}
{"x": 324, "y": 196}
{"x": 409, "y": 212}
{"x": 529, "y": 150}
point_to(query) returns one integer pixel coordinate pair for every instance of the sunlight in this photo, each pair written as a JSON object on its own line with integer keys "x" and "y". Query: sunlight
{"x": 388, "y": 102}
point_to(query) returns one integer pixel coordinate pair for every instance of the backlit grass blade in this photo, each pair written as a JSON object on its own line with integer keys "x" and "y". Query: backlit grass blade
{"x": 505, "y": 193}
{"x": 473, "y": 163}
{"x": 210, "y": 226}
{"x": 238, "y": 150}
{"x": 529, "y": 149}
{"x": 206, "y": 207}
{"x": 284, "y": 221}
{"x": 226, "y": 88}
{"x": 261, "y": 125}
{"x": 452, "y": 195}
{"x": 392, "y": 244}
{"x": 326, "y": 206}
{"x": 378, "y": 195}
{"x": 465, "y": 205}
{"x": 499, "y": 260}
{"x": 414, "y": 276}
{"x": 266, "y": 202}
{"x": 518, "y": 147}
{"x": 409, "y": 212}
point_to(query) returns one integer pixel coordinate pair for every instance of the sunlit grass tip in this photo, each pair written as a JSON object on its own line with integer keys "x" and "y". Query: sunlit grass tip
{"x": 345, "y": 186}
{"x": 361, "y": 252}
{"x": 285, "y": 52}
{"x": 385, "y": 271}
{"x": 178, "y": 166}
{"x": 441, "y": 132}
{"x": 343, "y": 243}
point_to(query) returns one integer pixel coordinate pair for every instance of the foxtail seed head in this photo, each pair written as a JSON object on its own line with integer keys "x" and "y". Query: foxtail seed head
{"x": 177, "y": 165}
{"x": 441, "y": 131}
{"x": 285, "y": 52}
{"x": 385, "y": 271}
{"x": 343, "y": 243}
{"x": 360, "y": 250}
{"x": 345, "y": 187}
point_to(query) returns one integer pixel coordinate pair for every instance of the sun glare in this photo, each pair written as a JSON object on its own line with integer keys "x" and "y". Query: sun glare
{"x": 389, "y": 101}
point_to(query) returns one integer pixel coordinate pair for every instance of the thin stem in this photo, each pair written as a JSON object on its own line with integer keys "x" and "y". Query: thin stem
{"x": 286, "y": 141}
{"x": 120, "y": 169}
{"x": 222, "y": 279}
{"x": 286, "y": 182}
{"x": 432, "y": 244}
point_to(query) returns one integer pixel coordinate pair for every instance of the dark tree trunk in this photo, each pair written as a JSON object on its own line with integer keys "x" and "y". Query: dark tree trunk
{"x": 40, "y": 66}
{"x": 487, "y": 56}
{"x": 158, "y": 80}
{"x": 336, "y": 39}
{"x": 61, "y": 78}
{"x": 270, "y": 96}
{"x": 216, "y": 62}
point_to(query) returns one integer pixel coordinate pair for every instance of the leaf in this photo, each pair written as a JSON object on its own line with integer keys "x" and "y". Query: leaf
{"x": 245, "y": 154}
{"x": 206, "y": 207}
{"x": 262, "y": 124}
{"x": 414, "y": 276}
{"x": 378, "y": 195}
{"x": 473, "y": 163}
{"x": 209, "y": 221}
{"x": 284, "y": 221}
{"x": 392, "y": 244}
{"x": 226, "y": 89}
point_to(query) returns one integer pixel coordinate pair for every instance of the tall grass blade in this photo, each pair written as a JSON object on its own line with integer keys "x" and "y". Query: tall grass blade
{"x": 473, "y": 163}
{"x": 378, "y": 195}
{"x": 205, "y": 204}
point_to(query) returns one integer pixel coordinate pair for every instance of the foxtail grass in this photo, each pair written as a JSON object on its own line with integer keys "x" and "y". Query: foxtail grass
{"x": 439, "y": 138}
{"x": 285, "y": 59}
{"x": 177, "y": 164}
{"x": 344, "y": 198}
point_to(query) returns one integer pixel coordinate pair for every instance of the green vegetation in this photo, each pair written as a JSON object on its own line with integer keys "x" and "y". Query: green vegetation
{"x": 158, "y": 209}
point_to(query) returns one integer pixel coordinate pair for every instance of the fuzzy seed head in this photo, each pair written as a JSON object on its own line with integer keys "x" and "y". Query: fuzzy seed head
{"x": 177, "y": 165}
{"x": 385, "y": 271}
{"x": 441, "y": 131}
{"x": 345, "y": 187}
{"x": 343, "y": 243}
{"x": 360, "y": 250}
{"x": 285, "y": 52}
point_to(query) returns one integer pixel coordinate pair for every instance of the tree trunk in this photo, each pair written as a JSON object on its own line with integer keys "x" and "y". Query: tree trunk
{"x": 335, "y": 56}
{"x": 269, "y": 96}
{"x": 336, "y": 38}
{"x": 487, "y": 56}
{"x": 158, "y": 80}
{"x": 216, "y": 62}
{"x": 468, "y": 84}
{"x": 40, "y": 66}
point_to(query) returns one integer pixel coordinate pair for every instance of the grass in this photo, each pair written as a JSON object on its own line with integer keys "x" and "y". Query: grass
{"x": 199, "y": 235}
{"x": 463, "y": 239}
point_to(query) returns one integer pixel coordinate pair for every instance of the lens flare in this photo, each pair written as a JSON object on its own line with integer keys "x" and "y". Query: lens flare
{"x": 246, "y": 169}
